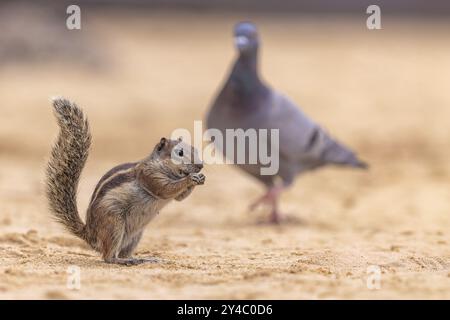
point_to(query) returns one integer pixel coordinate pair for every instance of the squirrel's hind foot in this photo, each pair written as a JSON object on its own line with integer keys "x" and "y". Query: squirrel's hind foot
{"x": 132, "y": 261}
{"x": 150, "y": 260}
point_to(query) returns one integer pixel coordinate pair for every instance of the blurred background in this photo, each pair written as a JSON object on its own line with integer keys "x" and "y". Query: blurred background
{"x": 141, "y": 69}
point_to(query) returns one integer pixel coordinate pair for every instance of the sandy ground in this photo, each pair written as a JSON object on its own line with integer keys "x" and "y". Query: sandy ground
{"x": 385, "y": 93}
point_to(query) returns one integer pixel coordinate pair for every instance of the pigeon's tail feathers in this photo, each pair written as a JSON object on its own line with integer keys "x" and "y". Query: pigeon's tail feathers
{"x": 361, "y": 165}
{"x": 356, "y": 163}
{"x": 338, "y": 154}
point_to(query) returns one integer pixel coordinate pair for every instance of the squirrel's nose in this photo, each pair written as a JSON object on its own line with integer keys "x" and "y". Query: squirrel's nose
{"x": 200, "y": 166}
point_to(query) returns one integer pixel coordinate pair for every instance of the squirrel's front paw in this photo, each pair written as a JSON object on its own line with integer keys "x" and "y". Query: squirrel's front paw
{"x": 197, "y": 178}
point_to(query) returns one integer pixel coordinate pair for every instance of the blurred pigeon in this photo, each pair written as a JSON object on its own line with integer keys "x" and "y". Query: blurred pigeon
{"x": 246, "y": 102}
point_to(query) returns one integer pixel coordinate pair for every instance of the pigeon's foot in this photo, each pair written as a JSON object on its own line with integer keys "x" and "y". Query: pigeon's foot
{"x": 275, "y": 217}
{"x": 281, "y": 218}
{"x": 270, "y": 197}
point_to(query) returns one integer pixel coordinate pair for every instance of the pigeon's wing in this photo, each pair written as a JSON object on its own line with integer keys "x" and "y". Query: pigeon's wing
{"x": 303, "y": 143}
{"x": 296, "y": 130}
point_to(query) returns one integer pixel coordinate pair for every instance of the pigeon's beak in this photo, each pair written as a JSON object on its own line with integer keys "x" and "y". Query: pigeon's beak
{"x": 241, "y": 42}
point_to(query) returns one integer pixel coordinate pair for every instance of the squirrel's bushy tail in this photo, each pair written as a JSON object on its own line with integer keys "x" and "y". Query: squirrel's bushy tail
{"x": 67, "y": 160}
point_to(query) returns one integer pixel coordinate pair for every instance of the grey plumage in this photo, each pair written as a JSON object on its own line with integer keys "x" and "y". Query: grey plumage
{"x": 245, "y": 101}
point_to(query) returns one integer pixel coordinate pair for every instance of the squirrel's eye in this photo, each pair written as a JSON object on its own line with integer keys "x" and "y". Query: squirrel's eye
{"x": 180, "y": 152}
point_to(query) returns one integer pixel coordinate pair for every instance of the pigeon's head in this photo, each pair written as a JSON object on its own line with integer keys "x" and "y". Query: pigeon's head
{"x": 246, "y": 37}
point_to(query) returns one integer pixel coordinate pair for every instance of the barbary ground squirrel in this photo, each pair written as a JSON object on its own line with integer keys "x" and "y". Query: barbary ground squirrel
{"x": 126, "y": 198}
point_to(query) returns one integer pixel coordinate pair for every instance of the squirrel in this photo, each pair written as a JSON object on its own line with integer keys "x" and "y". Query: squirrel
{"x": 126, "y": 198}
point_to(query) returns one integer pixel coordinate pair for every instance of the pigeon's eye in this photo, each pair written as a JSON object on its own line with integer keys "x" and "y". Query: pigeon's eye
{"x": 180, "y": 152}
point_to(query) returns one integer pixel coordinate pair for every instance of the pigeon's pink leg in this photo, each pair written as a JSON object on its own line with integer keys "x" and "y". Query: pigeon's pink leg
{"x": 275, "y": 216}
{"x": 271, "y": 198}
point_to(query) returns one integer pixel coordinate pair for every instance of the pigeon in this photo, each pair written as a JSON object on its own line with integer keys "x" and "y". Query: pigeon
{"x": 246, "y": 102}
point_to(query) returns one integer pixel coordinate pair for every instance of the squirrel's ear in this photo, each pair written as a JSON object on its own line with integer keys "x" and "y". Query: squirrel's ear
{"x": 162, "y": 143}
